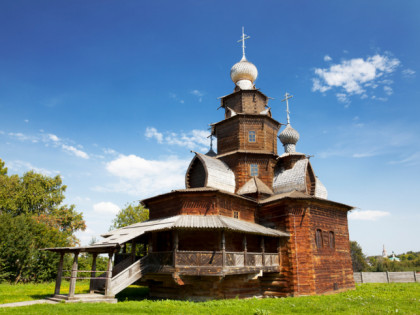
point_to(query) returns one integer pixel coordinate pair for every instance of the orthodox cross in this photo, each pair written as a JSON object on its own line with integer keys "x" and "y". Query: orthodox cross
{"x": 211, "y": 137}
{"x": 286, "y": 98}
{"x": 243, "y": 38}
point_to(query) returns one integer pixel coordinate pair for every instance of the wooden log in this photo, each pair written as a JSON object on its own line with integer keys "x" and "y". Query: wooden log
{"x": 73, "y": 275}
{"x": 108, "y": 289}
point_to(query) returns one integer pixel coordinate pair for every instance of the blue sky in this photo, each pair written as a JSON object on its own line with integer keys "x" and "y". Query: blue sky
{"x": 113, "y": 95}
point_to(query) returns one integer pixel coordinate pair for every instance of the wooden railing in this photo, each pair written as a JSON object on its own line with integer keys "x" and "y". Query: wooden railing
{"x": 213, "y": 258}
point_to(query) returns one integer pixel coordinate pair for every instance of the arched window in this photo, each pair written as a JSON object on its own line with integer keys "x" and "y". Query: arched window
{"x": 318, "y": 238}
{"x": 254, "y": 169}
{"x": 332, "y": 239}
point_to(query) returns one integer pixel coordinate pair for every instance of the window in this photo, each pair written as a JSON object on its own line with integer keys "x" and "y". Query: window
{"x": 236, "y": 214}
{"x": 318, "y": 238}
{"x": 332, "y": 239}
{"x": 254, "y": 170}
{"x": 251, "y": 136}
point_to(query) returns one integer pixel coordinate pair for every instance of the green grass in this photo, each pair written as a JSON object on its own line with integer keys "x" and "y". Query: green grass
{"x": 392, "y": 298}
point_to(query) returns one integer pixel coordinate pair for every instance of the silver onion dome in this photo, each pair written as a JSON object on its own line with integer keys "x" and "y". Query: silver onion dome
{"x": 243, "y": 74}
{"x": 289, "y": 137}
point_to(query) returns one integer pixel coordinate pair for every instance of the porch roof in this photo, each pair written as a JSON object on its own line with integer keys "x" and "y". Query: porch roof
{"x": 100, "y": 249}
{"x": 130, "y": 232}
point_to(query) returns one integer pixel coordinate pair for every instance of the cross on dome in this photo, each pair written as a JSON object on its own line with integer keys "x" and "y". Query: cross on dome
{"x": 287, "y": 96}
{"x": 243, "y": 38}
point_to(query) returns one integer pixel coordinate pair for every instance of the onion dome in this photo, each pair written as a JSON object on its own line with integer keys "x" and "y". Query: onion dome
{"x": 289, "y": 137}
{"x": 243, "y": 74}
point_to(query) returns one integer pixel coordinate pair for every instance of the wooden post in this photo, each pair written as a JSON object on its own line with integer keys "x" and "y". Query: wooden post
{"x": 93, "y": 274}
{"x": 59, "y": 274}
{"x": 245, "y": 250}
{"x": 387, "y": 277}
{"x": 108, "y": 275}
{"x": 73, "y": 276}
{"x": 415, "y": 276}
{"x": 175, "y": 247}
{"x": 262, "y": 250}
{"x": 133, "y": 251}
{"x": 361, "y": 277}
{"x": 223, "y": 249}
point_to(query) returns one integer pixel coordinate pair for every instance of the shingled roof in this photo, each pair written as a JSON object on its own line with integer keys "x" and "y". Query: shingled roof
{"x": 130, "y": 232}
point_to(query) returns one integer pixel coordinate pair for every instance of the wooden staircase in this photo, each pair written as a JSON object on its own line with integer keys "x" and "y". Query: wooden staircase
{"x": 128, "y": 276}
{"x": 123, "y": 274}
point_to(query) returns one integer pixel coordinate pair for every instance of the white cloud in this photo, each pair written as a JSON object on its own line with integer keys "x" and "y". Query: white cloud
{"x": 327, "y": 58}
{"x": 109, "y": 151}
{"x": 388, "y": 90}
{"x": 26, "y": 120}
{"x": 342, "y": 97}
{"x": 22, "y": 137}
{"x": 152, "y": 132}
{"x": 354, "y": 76}
{"x": 367, "y": 215}
{"x": 53, "y": 137}
{"x": 408, "y": 73}
{"x": 176, "y": 98}
{"x": 22, "y": 166}
{"x": 106, "y": 207}
{"x": 198, "y": 94}
{"x": 76, "y": 152}
{"x": 141, "y": 177}
{"x": 193, "y": 140}
{"x": 413, "y": 159}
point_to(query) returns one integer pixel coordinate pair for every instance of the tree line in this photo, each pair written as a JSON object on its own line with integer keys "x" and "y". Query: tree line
{"x": 409, "y": 261}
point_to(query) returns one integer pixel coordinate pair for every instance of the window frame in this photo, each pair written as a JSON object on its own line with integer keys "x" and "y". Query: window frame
{"x": 253, "y": 170}
{"x": 331, "y": 238}
{"x": 318, "y": 238}
{"x": 236, "y": 214}
{"x": 252, "y": 136}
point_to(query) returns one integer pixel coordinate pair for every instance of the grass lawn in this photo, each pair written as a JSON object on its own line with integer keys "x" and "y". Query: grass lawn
{"x": 401, "y": 298}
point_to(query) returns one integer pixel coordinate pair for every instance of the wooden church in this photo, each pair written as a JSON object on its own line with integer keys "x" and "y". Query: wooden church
{"x": 250, "y": 222}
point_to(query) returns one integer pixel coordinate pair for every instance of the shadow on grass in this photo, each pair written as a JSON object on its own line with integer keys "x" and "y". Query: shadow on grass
{"x": 40, "y": 296}
{"x": 133, "y": 293}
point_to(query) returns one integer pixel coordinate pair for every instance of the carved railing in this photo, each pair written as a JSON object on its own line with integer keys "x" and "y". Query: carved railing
{"x": 199, "y": 259}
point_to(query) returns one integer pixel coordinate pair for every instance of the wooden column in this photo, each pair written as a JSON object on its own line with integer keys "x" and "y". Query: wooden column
{"x": 93, "y": 274}
{"x": 262, "y": 250}
{"x": 150, "y": 243}
{"x": 73, "y": 276}
{"x": 223, "y": 249}
{"x": 108, "y": 288}
{"x": 133, "y": 251}
{"x": 245, "y": 250}
{"x": 175, "y": 246}
{"x": 59, "y": 274}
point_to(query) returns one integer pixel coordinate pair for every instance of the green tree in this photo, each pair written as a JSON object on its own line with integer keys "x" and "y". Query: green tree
{"x": 358, "y": 259}
{"x": 32, "y": 217}
{"x": 129, "y": 215}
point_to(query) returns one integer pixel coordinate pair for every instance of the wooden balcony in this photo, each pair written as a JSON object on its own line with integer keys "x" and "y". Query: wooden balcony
{"x": 214, "y": 263}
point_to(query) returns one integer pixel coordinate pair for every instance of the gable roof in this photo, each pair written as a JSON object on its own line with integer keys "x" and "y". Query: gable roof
{"x": 254, "y": 185}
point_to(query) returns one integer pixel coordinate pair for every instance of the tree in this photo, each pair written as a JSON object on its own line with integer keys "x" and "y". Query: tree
{"x": 41, "y": 196}
{"x": 32, "y": 217}
{"x": 129, "y": 215}
{"x": 358, "y": 259}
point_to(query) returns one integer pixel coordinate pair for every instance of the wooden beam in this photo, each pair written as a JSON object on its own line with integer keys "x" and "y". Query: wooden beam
{"x": 59, "y": 274}
{"x": 73, "y": 276}
{"x": 263, "y": 250}
{"x": 108, "y": 291}
{"x": 93, "y": 273}
{"x": 245, "y": 249}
